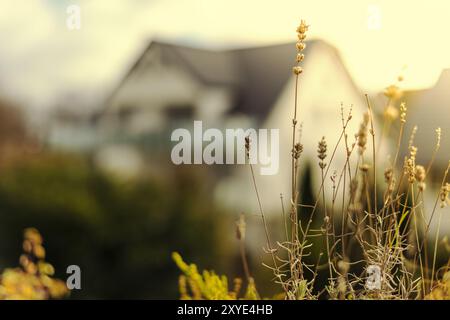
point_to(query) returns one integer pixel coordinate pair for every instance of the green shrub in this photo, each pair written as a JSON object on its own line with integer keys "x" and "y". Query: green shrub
{"x": 120, "y": 233}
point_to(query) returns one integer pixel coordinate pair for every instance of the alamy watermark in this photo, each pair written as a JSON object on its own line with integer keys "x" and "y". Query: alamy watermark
{"x": 227, "y": 147}
{"x": 74, "y": 280}
{"x": 374, "y": 278}
{"x": 73, "y": 21}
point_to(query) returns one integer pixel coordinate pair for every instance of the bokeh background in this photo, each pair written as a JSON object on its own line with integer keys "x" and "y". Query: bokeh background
{"x": 86, "y": 114}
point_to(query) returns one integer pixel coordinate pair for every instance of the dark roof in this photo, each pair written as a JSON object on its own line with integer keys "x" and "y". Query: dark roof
{"x": 257, "y": 75}
{"x": 264, "y": 73}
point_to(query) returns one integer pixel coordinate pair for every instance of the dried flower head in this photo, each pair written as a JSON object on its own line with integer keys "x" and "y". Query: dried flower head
{"x": 403, "y": 112}
{"x": 301, "y": 36}
{"x": 412, "y": 136}
{"x": 388, "y": 174}
{"x": 393, "y": 92}
{"x": 420, "y": 173}
{"x": 390, "y": 179}
{"x": 298, "y": 149}
{"x": 438, "y": 137}
{"x": 300, "y": 45}
{"x": 444, "y": 195}
{"x": 410, "y": 168}
{"x": 322, "y": 152}
{"x": 297, "y": 70}
{"x": 420, "y": 176}
{"x": 413, "y": 152}
{"x": 247, "y": 145}
{"x": 362, "y": 133}
{"x": 302, "y": 28}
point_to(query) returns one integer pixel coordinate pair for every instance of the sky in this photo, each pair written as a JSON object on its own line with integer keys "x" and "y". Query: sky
{"x": 42, "y": 61}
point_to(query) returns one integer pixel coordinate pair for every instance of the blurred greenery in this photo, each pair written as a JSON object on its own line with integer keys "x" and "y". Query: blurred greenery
{"x": 120, "y": 232}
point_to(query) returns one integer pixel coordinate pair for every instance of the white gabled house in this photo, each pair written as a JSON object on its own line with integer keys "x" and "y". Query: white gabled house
{"x": 171, "y": 85}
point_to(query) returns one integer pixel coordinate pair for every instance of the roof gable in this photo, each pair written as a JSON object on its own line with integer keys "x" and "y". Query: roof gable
{"x": 255, "y": 75}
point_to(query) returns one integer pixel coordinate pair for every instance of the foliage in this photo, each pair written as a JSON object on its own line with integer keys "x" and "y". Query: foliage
{"x": 208, "y": 285}
{"x": 33, "y": 279}
{"x": 442, "y": 290}
{"x": 118, "y": 232}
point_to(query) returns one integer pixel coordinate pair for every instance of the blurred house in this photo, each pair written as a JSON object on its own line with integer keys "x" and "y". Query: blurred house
{"x": 171, "y": 85}
{"x": 429, "y": 109}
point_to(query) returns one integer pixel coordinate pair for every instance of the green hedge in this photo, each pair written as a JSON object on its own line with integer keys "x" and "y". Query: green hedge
{"x": 120, "y": 233}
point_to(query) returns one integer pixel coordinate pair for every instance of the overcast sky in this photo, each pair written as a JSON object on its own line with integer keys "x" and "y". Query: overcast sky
{"x": 41, "y": 60}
